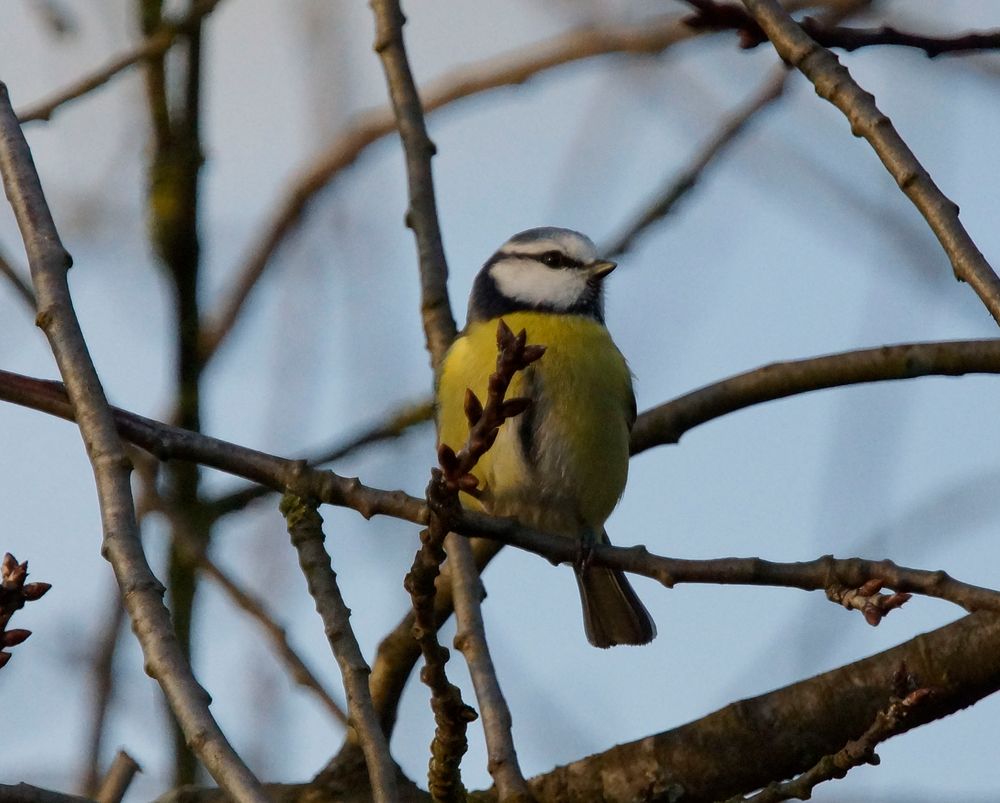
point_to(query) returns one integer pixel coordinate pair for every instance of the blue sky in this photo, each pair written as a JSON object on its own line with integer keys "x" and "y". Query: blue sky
{"x": 796, "y": 243}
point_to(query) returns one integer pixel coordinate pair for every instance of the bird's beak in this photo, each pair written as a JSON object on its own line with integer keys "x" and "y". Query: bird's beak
{"x": 601, "y": 268}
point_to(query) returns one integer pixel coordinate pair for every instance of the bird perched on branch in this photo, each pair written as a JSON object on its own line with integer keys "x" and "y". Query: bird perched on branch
{"x": 560, "y": 466}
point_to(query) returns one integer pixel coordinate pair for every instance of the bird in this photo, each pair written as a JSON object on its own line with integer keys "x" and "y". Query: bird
{"x": 560, "y": 466}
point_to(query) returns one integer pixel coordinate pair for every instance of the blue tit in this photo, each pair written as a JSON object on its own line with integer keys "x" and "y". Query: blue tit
{"x": 561, "y": 465}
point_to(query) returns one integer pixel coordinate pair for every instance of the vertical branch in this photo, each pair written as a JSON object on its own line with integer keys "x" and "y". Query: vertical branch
{"x": 399, "y": 651}
{"x": 141, "y": 592}
{"x": 834, "y": 83}
{"x": 439, "y": 325}
{"x": 173, "y": 219}
{"x": 470, "y": 639}
{"x": 306, "y": 530}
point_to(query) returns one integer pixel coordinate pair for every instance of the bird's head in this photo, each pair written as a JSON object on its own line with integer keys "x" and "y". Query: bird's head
{"x": 547, "y": 269}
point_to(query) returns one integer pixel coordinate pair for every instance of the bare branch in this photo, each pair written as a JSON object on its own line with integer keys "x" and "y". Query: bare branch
{"x": 141, "y": 591}
{"x": 398, "y": 653}
{"x": 834, "y": 83}
{"x": 306, "y": 530}
{"x": 278, "y": 473}
{"x": 470, "y": 639}
{"x": 750, "y": 743}
{"x": 119, "y": 776}
{"x": 152, "y": 46}
{"x": 669, "y": 421}
{"x": 421, "y": 216}
{"x": 855, "y": 753}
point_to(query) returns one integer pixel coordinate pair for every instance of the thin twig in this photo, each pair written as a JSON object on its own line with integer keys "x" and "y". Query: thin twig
{"x": 152, "y": 46}
{"x": 470, "y": 639}
{"x": 168, "y": 442}
{"x": 252, "y": 605}
{"x": 141, "y": 591}
{"x": 421, "y": 215}
{"x": 660, "y": 425}
{"x": 856, "y": 753}
{"x": 679, "y": 186}
{"x": 834, "y": 83}
{"x": 305, "y": 527}
{"x": 117, "y": 780}
{"x": 647, "y": 39}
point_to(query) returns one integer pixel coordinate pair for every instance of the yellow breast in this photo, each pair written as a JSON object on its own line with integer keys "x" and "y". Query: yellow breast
{"x": 562, "y": 465}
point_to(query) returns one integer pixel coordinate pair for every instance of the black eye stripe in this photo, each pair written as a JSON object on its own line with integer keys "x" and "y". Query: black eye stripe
{"x": 557, "y": 259}
{"x": 562, "y": 260}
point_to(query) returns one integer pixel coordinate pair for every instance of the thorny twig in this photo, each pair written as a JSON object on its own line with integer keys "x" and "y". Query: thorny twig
{"x": 513, "y": 355}
{"x": 451, "y": 714}
{"x": 14, "y": 593}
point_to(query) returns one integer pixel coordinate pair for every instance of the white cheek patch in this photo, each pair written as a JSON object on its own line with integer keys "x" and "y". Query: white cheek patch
{"x": 532, "y": 283}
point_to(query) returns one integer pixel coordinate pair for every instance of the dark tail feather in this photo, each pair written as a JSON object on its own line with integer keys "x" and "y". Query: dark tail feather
{"x": 612, "y": 612}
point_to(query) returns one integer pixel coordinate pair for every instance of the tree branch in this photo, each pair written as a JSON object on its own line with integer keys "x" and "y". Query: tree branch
{"x": 152, "y": 46}
{"x": 855, "y": 753}
{"x": 666, "y": 423}
{"x": 470, "y": 639}
{"x": 281, "y": 474}
{"x": 421, "y": 216}
{"x": 306, "y": 530}
{"x": 141, "y": 591}
{"x": 834, "y": 83}
{"x": 118, "y": 778}
{"x": 752, "y": 742}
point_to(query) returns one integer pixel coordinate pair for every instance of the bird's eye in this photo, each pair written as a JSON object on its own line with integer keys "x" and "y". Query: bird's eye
{"x": 553, "y": 259}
